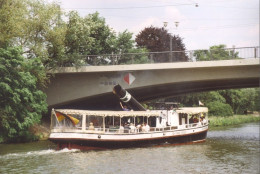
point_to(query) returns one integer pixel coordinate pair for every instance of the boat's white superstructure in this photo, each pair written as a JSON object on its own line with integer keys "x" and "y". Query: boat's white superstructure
{"x": 112, "y": 129}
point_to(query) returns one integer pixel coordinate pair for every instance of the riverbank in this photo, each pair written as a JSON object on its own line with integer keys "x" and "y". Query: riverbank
{"x": 217, "y": 121}
{"x": 37, "y": 132}
{"x": 42, "y": 132}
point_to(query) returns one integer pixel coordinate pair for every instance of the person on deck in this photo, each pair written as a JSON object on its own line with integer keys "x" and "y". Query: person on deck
{"x": 139, "y": 127}
{"x": 91, "y": 127}
{"x": 132, "y": 128}
{"x": 126, "y": 126}
{"x": 146, "y": 127}
{"x": 200, "y": 122}
{"x": 121, "y": 129}
{"x": 204, "y": 121}
{"x": 191, "y": 119}
{"x": 124, "y": 107}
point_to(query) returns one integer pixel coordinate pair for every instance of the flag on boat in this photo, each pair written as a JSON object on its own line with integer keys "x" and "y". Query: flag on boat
{"x": 61, "y": 116}
{"x": 200, "y": 103}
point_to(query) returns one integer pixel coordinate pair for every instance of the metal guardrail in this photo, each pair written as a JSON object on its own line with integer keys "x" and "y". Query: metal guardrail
{"x": 174, "y": 56}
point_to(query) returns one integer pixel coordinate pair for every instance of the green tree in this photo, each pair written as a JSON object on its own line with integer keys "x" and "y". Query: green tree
{"x": 158, "y": 40}
{"x": 134, "y": 56}
{"x": 128, "y": 54}
{"x": 21, "y": 103}
{"x": 11, "y": 21}
{"x": 77, "y": 40}
{"x": 194, "y": 98}
{"x": 217, "y": 52}
{"x": 217, "y": 108}
{"x": 101, "y": 34}
{"x": 35, "y": 26}
{"x": 257, "y": 100}
{"x": 40, "y": 29}
{"x": 124, "y": 42}
{"x": 241, "y": 100}
{"x": 89, "y": 36}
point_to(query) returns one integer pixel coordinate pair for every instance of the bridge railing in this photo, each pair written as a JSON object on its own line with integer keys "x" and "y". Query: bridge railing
{"x": 174, "y": 56}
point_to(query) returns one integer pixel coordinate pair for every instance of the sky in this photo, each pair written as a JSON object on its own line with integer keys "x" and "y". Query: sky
{"x": 234, "y": 23}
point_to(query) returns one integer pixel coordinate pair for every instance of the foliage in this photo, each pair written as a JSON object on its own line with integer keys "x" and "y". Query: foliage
{"x": 158, "y": 39}
{"x": 124, "y": 42}
{"x": 76, "y": 40}
{"x": 102, "y": 35}
{"x": 134, "y": 56}
{"x": 11, "y": 21}
{"x": 217, "y": 52}
{"x": 213, "y": 100}
{"x": 241, "y": 100}
{"x": 219, "y": 109}
{"x": 21, "y": 103}
{"x": 45, "y": 31}
{"x": 33, "y": 25}
{"x": 233, "y": 120}
{"x": 193, "y": 99}
{"x": 257, "y": 100}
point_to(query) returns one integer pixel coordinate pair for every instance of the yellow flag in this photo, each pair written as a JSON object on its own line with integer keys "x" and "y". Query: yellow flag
{"x": 73, "y": 120}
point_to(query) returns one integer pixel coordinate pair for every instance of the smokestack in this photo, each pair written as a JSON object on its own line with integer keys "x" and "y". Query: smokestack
{"x": 127, "y": 98}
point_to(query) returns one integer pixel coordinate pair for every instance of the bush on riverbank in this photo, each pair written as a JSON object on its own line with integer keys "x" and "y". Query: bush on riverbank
{"x": 218, "y": 108}
{"x": 232, "y": 120}
{"x": 22, "y": 101}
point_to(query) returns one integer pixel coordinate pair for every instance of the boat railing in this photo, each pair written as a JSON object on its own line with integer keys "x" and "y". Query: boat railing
{"x": 136, "y": 130}
{"x": 152, "y": 129}
{"x": 118, "y": 130}
{"x": 67, "y": 127}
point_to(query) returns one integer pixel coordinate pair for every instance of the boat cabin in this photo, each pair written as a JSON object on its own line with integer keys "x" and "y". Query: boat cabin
{"x": 130, "y": 122}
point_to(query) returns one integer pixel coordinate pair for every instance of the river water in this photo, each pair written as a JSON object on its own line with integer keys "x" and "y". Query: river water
{"x": 226, "y": 150}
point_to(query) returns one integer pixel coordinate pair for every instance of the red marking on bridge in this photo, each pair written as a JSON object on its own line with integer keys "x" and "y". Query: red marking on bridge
{"x": 129, "y": 78}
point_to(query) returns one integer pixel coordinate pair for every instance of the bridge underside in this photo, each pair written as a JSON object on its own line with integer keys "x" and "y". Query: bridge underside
{"x": 109, "y": 100}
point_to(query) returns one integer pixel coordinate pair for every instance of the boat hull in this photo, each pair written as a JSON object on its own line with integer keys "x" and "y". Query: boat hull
{"x": 119, "y": 141}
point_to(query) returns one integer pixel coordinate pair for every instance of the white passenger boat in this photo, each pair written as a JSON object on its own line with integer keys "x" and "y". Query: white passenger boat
{"x": 87, "y": 129}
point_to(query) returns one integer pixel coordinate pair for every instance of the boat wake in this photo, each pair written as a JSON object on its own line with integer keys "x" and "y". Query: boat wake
{"x": 38, "y": 153}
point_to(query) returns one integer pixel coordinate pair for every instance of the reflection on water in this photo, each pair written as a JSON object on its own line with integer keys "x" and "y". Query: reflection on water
{"x": 233, "y": 150}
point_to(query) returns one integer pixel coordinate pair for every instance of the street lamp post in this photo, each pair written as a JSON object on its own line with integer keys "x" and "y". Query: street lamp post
{"x": 170, "y": 55}
{"x": 171, "y": 58}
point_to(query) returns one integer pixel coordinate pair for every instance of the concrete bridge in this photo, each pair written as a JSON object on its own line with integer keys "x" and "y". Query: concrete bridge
{"x": 91, "y": 87}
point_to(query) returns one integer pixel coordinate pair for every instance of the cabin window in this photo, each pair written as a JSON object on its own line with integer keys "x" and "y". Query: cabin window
{"x": 152, "y": 121}
{"x": 127, "y": 120}
{"x": 77, "y": 120}
{"x": 183, "y": 119}
{"x": 67, "y": 120}
{"x": 96, "y": 120}
{"x": 109, "y": 122}
{"x": 139, "y": 120}
{"x": 112, "y": 122}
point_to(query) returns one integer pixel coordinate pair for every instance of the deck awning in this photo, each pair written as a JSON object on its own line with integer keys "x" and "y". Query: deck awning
{"x": 192, "y": 110}
{"x": 110, "y": 113}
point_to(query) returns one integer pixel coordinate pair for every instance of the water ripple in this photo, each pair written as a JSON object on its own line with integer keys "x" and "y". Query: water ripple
{"x": 37, "y": 153}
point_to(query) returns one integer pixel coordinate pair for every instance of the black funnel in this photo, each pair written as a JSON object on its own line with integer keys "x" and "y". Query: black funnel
{"x": 127, "y": 98}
